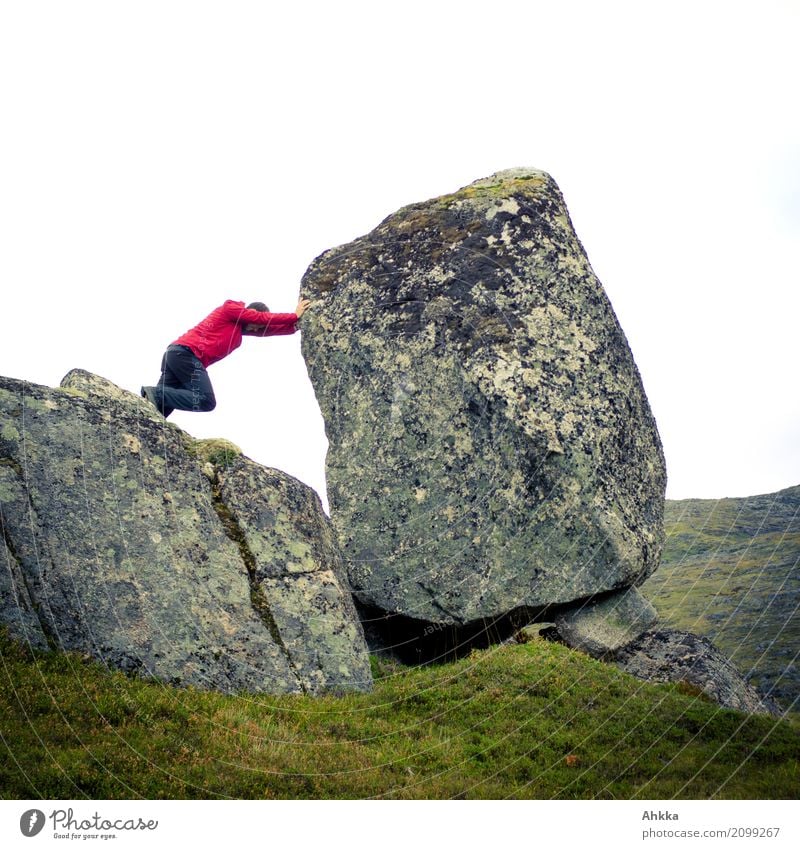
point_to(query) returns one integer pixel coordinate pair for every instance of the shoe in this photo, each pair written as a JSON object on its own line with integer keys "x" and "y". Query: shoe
{"x": 148, "y": 392}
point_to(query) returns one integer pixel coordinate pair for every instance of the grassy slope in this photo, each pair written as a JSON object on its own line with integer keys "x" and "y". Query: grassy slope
{"x": 729, "y": 571}
{"x": 533, "y": 720}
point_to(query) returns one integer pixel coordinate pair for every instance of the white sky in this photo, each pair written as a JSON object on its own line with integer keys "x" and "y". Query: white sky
{"x": 159, "y": 157}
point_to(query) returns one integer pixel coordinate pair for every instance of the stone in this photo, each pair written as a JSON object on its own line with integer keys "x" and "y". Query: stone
{"x": 602, "y": 626}
{"x": 664, "y": 655}
{"x": 123, "y": 540}
{"x": 297, "y": 572}
{"x": 17, "y": 611}
{"x": 84, "y": 384}
{"x": 490, "y": 443}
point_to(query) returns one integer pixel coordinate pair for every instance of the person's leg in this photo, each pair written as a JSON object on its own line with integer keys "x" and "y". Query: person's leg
{"x": 184, "y": 383}
{"x": 153, "y": 393}
{"x": 158, "y": 398}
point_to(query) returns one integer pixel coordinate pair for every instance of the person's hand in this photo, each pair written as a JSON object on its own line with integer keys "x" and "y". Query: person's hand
{"x": 302, "y": 305}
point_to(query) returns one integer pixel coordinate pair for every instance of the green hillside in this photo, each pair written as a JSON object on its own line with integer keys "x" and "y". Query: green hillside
{"x": 533, "y": 720}
{"x": 730, "y": 572}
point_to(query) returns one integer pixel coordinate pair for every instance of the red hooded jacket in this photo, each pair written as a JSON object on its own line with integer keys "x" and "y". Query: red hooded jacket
{"x": 220, "y": 333}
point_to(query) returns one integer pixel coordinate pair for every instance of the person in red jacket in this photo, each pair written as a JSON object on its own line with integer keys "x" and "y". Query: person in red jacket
{"x": 184, "y": 383}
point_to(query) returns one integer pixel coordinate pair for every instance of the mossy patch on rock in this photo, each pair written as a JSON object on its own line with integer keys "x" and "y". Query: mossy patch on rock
{"x": 219, "y": 452}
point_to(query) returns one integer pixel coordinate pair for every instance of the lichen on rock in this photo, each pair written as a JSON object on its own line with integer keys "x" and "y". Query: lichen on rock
{"x": 490, "y": 443}
{"x": 669, "y": 655}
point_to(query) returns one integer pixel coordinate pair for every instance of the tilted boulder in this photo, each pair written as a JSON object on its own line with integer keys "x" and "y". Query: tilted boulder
{"x": 490, "y": 443}
{"x": 127, "y": 540}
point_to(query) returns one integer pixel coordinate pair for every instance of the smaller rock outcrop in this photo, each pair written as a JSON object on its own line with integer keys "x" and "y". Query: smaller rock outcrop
{"x": 125, "y": 539}
{"x": 663, "y": 655}
{"x": 619, "y": 628}
{"x": 602, "y": 626}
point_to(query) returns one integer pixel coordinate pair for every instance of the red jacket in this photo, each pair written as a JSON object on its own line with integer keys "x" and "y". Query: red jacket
{"x": 220, "y": 333}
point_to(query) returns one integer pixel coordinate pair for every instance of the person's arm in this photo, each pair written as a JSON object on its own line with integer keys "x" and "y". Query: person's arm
{"x": 276, "y": 323}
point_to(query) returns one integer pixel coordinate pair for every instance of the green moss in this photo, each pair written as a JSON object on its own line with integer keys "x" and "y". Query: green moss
{"x": 219, "y": 452}
{"x": 232, "y": 529}
{"x": 526, "y": 184}
{"x": 71, "y": 390}
{"x": 235, "y": 533}
{"x": 261, "y": 605}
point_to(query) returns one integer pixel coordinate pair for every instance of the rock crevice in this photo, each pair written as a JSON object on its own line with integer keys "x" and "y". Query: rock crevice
{"x": 235, "y": 533}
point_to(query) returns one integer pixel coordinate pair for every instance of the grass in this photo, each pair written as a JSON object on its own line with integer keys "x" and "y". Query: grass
{"x": 218, "y": 452}
{"x": 729, "y": 572}
{"x": 533, "y": 720}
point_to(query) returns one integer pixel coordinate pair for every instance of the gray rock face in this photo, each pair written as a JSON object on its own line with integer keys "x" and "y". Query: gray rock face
{"x": 603, "y": 626}
{"x": 125, "y": 539}
{"x": 490, "y": 443}
{"x": 297, "y": 576}
{"x": 663, "y": 655}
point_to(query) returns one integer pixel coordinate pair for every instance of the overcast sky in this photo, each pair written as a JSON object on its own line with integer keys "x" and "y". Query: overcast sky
{"x": 157, "y": 158}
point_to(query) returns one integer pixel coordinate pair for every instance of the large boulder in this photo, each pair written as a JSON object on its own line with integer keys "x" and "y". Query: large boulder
{"x": 127, "y": 540}
{"x": 490, "y": 443}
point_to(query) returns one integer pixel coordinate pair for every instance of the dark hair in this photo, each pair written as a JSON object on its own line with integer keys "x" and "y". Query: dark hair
{"x": 258, "y": 305}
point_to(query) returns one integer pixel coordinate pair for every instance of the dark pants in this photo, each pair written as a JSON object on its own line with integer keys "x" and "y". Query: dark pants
{"x": 184, "y": 383}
